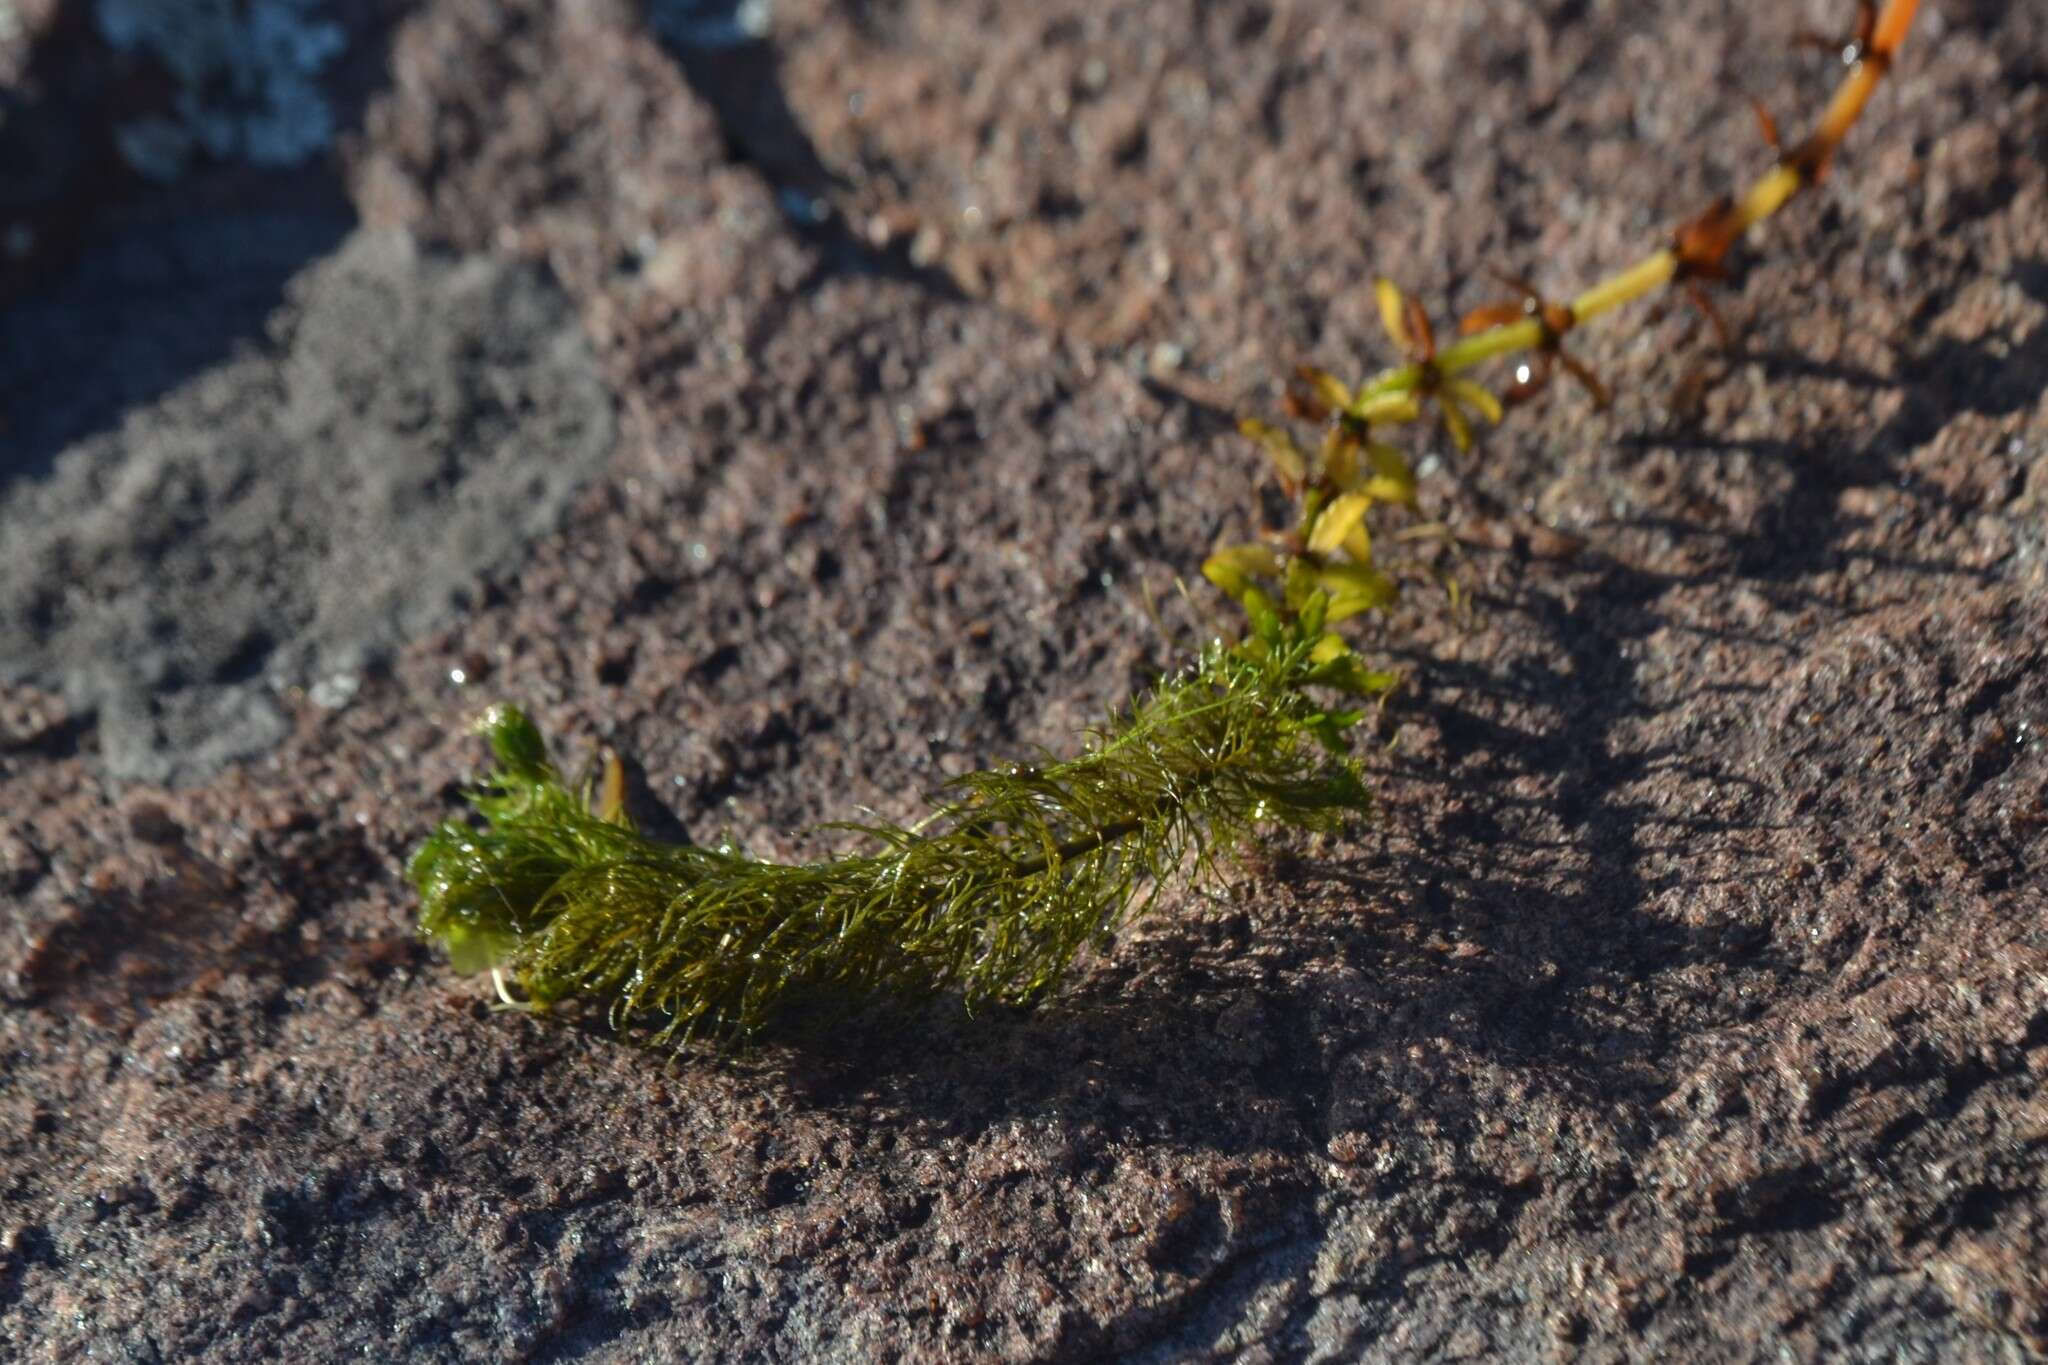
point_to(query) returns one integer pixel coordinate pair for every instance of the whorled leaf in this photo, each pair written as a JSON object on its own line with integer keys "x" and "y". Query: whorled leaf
{"x": 1279, "y": 446}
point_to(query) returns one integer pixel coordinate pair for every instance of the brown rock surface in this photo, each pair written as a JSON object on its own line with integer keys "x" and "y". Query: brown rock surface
{"x": 1688, "y": 1000}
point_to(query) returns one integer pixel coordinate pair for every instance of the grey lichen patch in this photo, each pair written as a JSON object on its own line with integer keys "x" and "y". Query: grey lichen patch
{"x": 288, "y": 517}
{"x": 246, "y": 75}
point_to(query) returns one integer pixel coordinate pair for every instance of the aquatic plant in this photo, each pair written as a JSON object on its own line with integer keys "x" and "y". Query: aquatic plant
{"x": 1019, "y": 867}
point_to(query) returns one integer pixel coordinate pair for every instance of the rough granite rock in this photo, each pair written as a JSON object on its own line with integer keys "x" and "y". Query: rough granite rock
{"x": 1687, "y": 1000}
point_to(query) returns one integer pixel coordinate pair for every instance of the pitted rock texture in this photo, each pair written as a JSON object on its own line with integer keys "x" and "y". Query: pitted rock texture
{"x": 1687, "y": 999}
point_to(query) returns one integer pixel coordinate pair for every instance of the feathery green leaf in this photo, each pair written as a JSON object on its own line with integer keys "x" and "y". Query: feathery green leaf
{"x": 992, "y": 895}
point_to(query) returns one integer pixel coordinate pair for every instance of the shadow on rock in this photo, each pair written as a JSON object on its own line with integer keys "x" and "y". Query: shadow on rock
{"x": 135, "y": 252}
{"x": 736, "y": 71}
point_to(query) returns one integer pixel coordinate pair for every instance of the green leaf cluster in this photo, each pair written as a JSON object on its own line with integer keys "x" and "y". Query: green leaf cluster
{"x": 1322, "y": 571}
{"x": 992, "y": 895}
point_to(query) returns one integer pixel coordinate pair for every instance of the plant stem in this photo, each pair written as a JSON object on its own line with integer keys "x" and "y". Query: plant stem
{"x": 1795, "y": 171}
{"x": 1073, "y": 848}
{"x": 1652, "y": 272}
